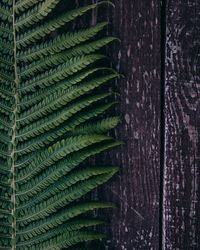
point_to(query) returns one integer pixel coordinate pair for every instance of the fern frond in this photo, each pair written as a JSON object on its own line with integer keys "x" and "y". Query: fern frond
{"x": 33, "y": 98}
{"x": 99, "y": 127}
{"x": 52, "y": 61}
{"x": 53, "y": 102}
{"x": 65, "y": 197}
{"x": 43, "y": 225}
{"x": 5, "y": 13}
{"x": 45, "y": 139}
{"x": 23, "y": 5}
{"x": 43, "y": 30}
{"x": 52, "y": 174}
{"x": 54, "y": 120}
{"x": 70, "y": 239}
{"x": 73, "y": 225}
{"x": 59, "y": 43}
{"x": 64, "y": 183}
{"x": 55, "y": 153}
{"x": 59, "y": 73}
{"x": 61, "y": 98}
{"x": 39, "y": 12}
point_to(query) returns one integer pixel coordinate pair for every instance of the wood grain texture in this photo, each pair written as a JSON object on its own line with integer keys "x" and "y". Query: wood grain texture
{"x": 135, "y": 224}
{"x": 182, "y": 146}
{"x": 136, "y": 190}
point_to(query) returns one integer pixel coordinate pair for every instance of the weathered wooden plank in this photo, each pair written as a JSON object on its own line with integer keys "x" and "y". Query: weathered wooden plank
{"x": 135, "y": 224}
{"x": 182, "y": 146}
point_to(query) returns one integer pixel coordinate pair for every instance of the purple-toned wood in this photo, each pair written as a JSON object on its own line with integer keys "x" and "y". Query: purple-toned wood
{"x": 181, "y": 219}
{"x": 135, "y": 224}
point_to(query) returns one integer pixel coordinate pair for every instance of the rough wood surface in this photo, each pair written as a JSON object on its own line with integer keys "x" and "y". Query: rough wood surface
{"x": 182, "y": 147}
{"x": 135, "y": 224}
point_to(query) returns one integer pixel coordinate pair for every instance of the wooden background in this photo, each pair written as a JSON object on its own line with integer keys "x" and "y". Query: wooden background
{"x": 158, "y": 189}
{"x": 181, "y": 214}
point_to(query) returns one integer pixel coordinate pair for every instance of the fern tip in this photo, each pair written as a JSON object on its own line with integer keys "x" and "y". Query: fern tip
{"x": 107, "y": 2}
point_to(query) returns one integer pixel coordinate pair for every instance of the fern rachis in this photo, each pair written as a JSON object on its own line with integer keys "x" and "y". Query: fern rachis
{"x": 51, "y": 108}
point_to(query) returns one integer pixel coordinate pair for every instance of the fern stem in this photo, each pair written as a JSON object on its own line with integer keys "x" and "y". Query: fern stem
{"x": 13, "y": 141}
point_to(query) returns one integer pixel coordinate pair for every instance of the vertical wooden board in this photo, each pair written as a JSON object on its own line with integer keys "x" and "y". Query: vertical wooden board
{"x": 135, "y": 223}
{"x": 182, "y": 135}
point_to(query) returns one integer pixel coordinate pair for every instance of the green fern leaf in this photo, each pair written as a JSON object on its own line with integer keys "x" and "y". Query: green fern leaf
{"x": 52, "y": 118}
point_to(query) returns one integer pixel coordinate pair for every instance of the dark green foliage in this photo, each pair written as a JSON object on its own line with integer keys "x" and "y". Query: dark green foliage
{"x": 52, "y": 118}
